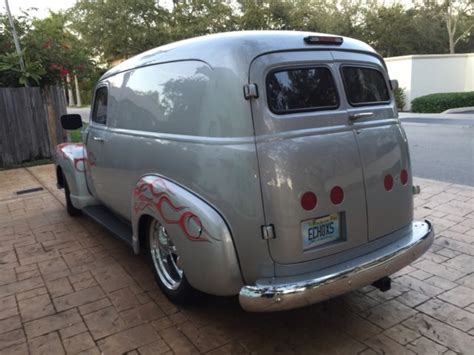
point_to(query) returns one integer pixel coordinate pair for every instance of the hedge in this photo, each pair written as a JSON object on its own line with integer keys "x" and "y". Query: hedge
{"x": 436, "y": 103}
{"x": 400, "y": 98}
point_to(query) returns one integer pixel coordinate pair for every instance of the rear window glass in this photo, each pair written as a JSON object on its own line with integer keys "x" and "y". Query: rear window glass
{"x": 302, "y": 89}
{"x": 364, "y": 85}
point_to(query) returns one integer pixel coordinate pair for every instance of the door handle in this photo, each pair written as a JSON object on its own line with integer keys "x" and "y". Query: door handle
{"x": 98, "y": 139}
{"x": 356, "y": 116}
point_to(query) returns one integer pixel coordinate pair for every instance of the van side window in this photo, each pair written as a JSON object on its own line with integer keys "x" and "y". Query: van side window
{"x": 99, "y": 113}
{"x": 301, "y": 89}
{"x": 364, "y": 86}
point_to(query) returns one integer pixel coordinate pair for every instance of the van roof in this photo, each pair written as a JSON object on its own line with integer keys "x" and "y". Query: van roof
{"x": 225, "y": 49}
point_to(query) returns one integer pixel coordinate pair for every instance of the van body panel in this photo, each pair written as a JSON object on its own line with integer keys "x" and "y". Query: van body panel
{"x": 99, "y": 177}
{"x": 201, "y": 150}
{"x": 222, "y": 173}
{"x": 310, "y": 151}
{"x": 318, "y": 150}
{"x": 97, "y": 171}
{"x": 196, "y": 229}
{"x": 383, "y": 149}
{"x": 289, "y": 168}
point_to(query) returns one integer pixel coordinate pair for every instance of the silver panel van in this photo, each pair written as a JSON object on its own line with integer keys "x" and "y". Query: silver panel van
{"x": 269, "y": 165}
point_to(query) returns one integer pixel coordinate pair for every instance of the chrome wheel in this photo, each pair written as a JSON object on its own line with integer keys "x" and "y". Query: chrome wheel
{"x": 165, "y": 256}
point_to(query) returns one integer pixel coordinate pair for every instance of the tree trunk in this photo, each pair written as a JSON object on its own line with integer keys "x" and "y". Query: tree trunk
{"x": 55, "y": 104}
{"x": 451, "y": 44}
{"x": 69, "y": 91}
{"x": 15, "y": 39}
{"x": 78, "y": 94}
{"x": 451, "y": 31}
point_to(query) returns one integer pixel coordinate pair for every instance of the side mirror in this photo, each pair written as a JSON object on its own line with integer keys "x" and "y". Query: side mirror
{"x": 394, "y": 84}
{"x": 71, "y": 121}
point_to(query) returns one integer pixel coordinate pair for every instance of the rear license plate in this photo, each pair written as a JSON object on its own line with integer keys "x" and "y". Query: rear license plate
{"x": 319, "y": 231}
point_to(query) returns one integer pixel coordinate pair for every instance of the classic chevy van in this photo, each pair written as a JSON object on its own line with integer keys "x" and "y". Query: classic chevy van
{"x": 271, "y": 165}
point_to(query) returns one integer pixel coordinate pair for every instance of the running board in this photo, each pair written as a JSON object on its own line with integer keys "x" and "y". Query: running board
{"x": 111, "y": 222}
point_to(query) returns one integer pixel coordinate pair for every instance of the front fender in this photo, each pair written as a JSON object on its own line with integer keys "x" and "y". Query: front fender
{"x": 200, "y": 234}
{"x": 71, "y": 158}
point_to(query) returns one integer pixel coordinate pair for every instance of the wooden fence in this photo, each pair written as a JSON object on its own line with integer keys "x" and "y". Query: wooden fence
{"x": 29, "y": 123}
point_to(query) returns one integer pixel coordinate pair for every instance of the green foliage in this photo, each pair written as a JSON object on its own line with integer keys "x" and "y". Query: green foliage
{"x": 265, "y": 15}
{"x": 394, "y": 30}
{"x": 436, "y": 103}
{"x": 58, "y": 50}
{"x": 10, "y": 71}
{"x": 113, "y": 30}
{"x": 87, "y": 84}
{"x": 127, "y": 27}
{"x": 330, "y": 16}
{"x": 400, "y": 98}
{"x": 76, "y": 135}
{"x": 118, "y": 29}
{"x": 50, "y": 51}
{"x": 199, "y": 17}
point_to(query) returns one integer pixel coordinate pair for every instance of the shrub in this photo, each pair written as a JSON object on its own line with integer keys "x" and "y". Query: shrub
{"x": 400, "y": 98}
{"x": 75, "y": 136}
{"x": 436, "y": 103}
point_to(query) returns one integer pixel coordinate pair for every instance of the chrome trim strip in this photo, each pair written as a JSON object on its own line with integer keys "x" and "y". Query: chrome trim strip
{"x": 265, "y": 297}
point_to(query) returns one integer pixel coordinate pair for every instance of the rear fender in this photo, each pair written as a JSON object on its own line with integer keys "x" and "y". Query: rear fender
{"x": 200, "y": 234}
{"x": 71, "y": 160}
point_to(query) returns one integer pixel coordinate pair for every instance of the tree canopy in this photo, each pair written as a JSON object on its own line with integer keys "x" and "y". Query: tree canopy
{"x": 106, "y": 31}
{"x": 50, "y": 51}
{"x": 117, "y": 29}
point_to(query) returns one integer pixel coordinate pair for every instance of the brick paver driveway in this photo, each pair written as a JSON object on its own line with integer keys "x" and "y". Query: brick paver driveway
{"x": 66, "y": 285}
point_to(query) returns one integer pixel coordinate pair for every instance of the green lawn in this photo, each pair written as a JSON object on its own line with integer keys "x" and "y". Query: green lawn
{"x": 76, "y": 135}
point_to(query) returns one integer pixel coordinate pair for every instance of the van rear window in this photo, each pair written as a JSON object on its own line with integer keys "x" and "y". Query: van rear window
{"x": 301, "y": 89}
{"x": 364, "y": 86}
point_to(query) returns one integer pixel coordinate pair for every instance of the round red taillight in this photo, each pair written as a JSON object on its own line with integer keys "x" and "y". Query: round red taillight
{"x": 309, "y": 201}
{"x": 388, "y": 182}
{"x": 337, "y": 195}
{"x": 404, "y": 177}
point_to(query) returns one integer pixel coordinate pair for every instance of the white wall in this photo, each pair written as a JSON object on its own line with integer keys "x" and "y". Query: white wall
{"x": 469, "y": 84}
{"x": 427, "y": 74}
{"x": 401, "y": 70}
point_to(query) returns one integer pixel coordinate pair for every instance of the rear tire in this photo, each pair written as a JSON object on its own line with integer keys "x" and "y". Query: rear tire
{"x": 71, "y": 210}
{"x": 164, "y": 260}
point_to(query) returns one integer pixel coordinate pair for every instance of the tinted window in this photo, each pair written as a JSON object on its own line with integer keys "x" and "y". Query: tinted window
{"x": 302, "y": 89}
{"x": 99, "y": 114}
{"x": 364, "y": 85}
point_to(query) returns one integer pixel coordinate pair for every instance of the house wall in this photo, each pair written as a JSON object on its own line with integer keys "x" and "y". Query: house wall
{"x": 401, "y": 70}
{"x": 421, "y": 75}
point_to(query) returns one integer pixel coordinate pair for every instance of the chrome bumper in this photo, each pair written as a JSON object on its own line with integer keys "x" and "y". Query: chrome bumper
{"x": 270, "y": 295}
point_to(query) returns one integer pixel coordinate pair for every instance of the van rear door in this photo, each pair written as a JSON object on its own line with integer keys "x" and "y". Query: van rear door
{"x": 308, "y": 155}
{"x": 382, "y": 143}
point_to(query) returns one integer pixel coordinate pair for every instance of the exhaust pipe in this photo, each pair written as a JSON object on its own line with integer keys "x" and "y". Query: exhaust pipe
{"x": 383, "y": 284}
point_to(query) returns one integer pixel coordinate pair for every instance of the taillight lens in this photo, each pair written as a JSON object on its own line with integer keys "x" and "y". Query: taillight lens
{"x": 337, "y": 195}
{"x": 388, "y": 182}
{"x": 309, "y": 201}
{"x": 404, "y": 177}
